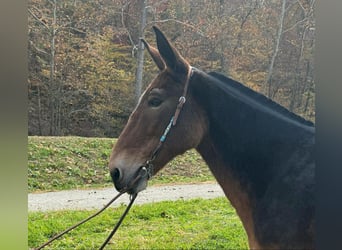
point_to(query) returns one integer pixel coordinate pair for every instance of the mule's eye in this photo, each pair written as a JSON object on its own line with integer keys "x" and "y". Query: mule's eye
{"x": 154, "y": 102}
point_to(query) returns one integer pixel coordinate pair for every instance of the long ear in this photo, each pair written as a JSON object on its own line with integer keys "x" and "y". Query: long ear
{"x": 174, "y": 61}
{"x": 155, "y": 55}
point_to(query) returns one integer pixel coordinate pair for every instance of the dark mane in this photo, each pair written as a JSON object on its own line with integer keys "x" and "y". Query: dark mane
{"x": 260, "y": 98}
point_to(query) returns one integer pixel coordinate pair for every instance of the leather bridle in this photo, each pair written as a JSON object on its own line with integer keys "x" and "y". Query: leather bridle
{"x": 148, "y": 165}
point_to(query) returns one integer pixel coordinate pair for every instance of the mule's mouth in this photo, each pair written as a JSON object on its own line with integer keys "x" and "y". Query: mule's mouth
{"x": 138, "y": 182}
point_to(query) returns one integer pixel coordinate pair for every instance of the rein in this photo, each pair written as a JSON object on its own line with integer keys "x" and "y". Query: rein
{"x": 173, "y": 121}
{"x": 146, "y": 169}
{"x": 133, "y": 197}
{"x": 78, "y": 224}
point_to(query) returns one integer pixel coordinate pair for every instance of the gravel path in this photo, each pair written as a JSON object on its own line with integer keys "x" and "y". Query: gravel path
{"x": 97, "y": 198}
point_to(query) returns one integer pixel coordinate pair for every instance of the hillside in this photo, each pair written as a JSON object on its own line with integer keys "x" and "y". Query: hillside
{"x": 59, "y": 163}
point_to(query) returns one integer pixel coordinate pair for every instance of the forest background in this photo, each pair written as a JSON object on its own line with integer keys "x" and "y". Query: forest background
{"x": 87, "y": 66}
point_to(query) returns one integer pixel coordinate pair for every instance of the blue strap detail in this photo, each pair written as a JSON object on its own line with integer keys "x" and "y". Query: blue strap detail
{"x": 163, "y": 137}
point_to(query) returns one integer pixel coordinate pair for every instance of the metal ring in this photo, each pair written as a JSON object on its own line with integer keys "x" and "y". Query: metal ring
{"x": 182, "y": 99}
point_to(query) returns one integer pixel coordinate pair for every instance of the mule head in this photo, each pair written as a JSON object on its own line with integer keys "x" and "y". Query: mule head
{"x": 152, "y": 115}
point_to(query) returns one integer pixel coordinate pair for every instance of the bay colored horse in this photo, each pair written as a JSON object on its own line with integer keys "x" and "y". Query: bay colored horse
{"x": 261, "y": 154}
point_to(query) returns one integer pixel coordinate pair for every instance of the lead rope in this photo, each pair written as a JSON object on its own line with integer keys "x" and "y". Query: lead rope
{"x": 78, "y": 224}
{"x": 119, "y": 222}
{"x": 133, "y": 197}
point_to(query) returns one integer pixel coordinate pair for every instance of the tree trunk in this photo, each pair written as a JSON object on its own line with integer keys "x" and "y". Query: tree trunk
{"x": 52, "y": 71}
{"x": 268, "y": 81}
{"x": 39, "y": 112}
{"x": 140, "y": 56}
{"x": 307, "y": 88}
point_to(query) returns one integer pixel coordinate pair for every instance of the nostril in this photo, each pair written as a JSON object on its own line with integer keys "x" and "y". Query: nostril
{"x": 116, "y": 174}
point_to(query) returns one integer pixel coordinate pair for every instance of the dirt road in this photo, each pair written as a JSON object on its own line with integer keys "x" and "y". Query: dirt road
{"x": 97, "y": 198}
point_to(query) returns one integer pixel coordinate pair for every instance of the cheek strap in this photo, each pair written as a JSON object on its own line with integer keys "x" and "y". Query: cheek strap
{"x": 148, "y": 164}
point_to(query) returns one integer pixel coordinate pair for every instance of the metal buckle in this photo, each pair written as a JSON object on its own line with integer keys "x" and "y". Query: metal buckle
{"x": 150, "y": 169}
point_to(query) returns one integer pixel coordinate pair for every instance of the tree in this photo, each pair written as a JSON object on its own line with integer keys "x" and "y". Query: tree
{"x": 46, "y": 17}
{"x": 268, "y": 81}
{"x": 140, "y": 56}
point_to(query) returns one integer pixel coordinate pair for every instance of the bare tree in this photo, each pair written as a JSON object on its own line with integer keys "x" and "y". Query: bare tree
{"x": 268, "y": 81}
{"x": 140, "y": 55}
{"x": 52, "y": 31}
{"x": 252, "y": 7}
{"x": 303, "y": 85}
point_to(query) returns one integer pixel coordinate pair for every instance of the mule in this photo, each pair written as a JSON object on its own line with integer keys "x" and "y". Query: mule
{"x": 261, "y": 154}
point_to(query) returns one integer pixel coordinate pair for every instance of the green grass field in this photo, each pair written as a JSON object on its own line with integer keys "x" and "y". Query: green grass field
{"x": 60, "y": 163}
{"x": 193, "y": 224}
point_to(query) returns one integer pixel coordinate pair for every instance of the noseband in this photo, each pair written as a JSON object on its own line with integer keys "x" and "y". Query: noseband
{"x": 148, "y": 166}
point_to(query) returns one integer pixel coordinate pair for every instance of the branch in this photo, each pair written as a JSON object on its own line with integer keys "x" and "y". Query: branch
{"x": 39, "y": 50}
{"x": 71, "y": 28}
{"x": 77, "y": 111}
{"x": 302, "y": 44}
{"x": 124, "y": 26}
{"x": 276, "y": 49}
{"x": 78, "y": 30}
{"x": 293, "y": 26}
{"x": 311, "y": 7}
{"x": 180, "y": 22}
{"x": 244, "y": 20}
{"x": 301, "y": 5}
{"x": 290, "y": 6}
{"x": 52, "y": 3}
{"x": 37, "y": 19}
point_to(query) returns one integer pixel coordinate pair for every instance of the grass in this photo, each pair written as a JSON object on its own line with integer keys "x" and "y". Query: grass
{"x": 61, "y": 163}
{"x": 193, "y": 224}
